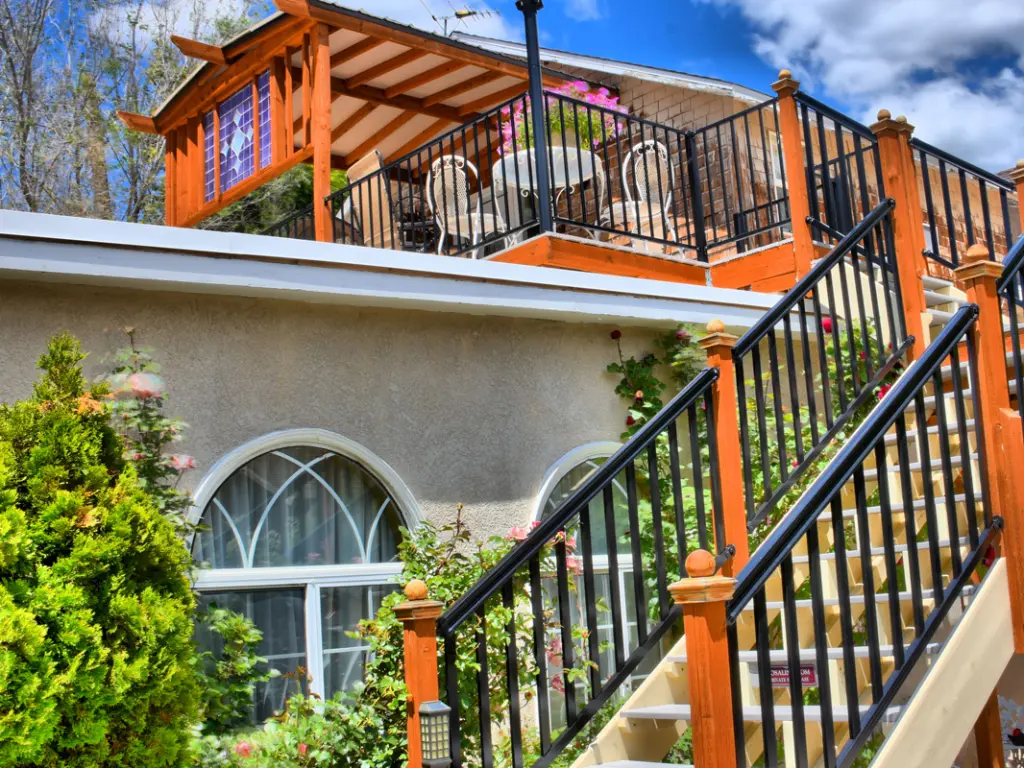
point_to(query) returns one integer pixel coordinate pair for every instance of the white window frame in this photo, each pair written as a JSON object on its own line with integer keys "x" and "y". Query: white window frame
{"x": 311, "y": 578}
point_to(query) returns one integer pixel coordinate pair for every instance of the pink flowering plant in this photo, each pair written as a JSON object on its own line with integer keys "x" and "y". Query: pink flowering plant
{"x": 593, "y": 122}
{"x": 139, "y": 395}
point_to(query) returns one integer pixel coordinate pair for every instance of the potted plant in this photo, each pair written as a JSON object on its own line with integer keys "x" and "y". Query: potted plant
{"x": 581, "y": 125}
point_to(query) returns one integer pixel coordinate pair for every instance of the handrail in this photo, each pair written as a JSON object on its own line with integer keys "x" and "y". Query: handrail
{"x": 1012, "y": 264}
{"x": 767, "y": 322}
{"x": 492, "y": 580}
{"x": 964, "y": 164}
{"x": 787, "y": 534}
{"x": 835, "y": 115}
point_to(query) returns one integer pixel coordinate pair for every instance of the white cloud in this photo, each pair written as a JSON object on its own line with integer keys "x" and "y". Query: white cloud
{"x": 583, "y": 10}
{"x": 418, "y": 13}
{"x": 913, "y": 57}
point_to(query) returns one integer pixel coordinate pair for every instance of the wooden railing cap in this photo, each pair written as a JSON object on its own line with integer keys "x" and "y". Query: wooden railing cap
{"x": 717, "y": 337}
{"x": 786, "y": 85}
{"x": 1017, "y": 173}
{"x": 977, "y": 264}
{"x": 886, "y": 123}
{"x": 702, "y": 586}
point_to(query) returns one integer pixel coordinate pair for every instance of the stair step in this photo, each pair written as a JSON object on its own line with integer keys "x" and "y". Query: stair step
{"x": 751, "y": 714}
{"x": 915, "y": 466}
{"x": 828, "y": 602}
{"x": 951, "y": 428}
{"x": 640, "y": 764}
{"x": 897, "y": 506}
{"x": 939, "y": 316}
{"x": 878, "y": 551}
{"x": 934, "y": 298}
{"x": 808, "y": 654}
{"x": 935, "y": 283}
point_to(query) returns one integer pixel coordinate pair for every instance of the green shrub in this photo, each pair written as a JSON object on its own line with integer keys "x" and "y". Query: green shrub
{"x": 96, "y": 652}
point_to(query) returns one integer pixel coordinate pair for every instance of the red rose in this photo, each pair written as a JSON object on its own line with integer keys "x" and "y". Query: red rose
{"x": 616, "y": 334}
{"x": 990, "y": 557}
{"x": 630, "y": 421}
{"x": 826, "y": 324}
{"x": 884, "y": 390}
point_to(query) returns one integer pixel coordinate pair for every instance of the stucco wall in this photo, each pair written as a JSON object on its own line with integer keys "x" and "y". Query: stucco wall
{"x": 465, "y": 408}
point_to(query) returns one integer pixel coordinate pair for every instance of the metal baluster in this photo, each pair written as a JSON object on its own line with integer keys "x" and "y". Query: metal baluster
{"x": 794, "y": 395}
{"x": 638, "y": 563}
{"x": 739, "y": 737}
{"x": 796, "y": 689}
{"x": 924, "y": 456}
{"x": 812, "y": 402}
{"x": 565, "y": 623}
{"x": 947, "y": 472}
{"x": 910, "y": 522}
{"x": 762, "y": 425}
{"x": 819, "y": 335}
{"x": 659, "y": 534}
{"x": 540, "y": 655}
{"x": 845, "y": 614}
{"x": 970, "y": 504}
{"x": 986, "y": 217}
{"x": 515, "y": 730}
{"x": 748, "y": 458}
{"x": 780, "y": 422}
{"x": 828, "y": 739}
{"x": 611, "y": 536}
{"x": 451, "y": 679}
{"x": 868, "y": 582}
{"x": 933, "y": 227}
{"x": 590, "y": 593}
{"x": 483, "y": 690}
{"x": 965, "y": 201}
{"x": 698, "y": 480}
{"x": 888, "y": 545}
{"x": 713, "y": 471}
{"x": 837, "y": 349}
{"x": 979, "y": 427}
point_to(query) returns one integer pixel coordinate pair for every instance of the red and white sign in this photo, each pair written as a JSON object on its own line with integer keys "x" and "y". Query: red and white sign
{"x": 780, "y": 676}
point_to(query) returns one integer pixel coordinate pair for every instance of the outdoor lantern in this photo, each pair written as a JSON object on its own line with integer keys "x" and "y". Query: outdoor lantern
{"x": 434, "y": 725}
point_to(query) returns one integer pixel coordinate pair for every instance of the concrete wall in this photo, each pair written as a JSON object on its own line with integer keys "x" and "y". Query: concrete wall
{"x": 468, "y": 409}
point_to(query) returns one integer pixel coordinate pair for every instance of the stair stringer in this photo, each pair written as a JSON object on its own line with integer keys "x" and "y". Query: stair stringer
{"x": 941, "y": 713}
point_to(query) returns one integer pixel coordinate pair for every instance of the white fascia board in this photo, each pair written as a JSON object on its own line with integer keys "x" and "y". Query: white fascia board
{"x": 620, "y": 68}
{"x": 87, "y": 251}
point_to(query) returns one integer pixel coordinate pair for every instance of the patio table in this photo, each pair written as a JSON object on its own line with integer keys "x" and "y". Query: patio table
{"x": 570, "y": 170}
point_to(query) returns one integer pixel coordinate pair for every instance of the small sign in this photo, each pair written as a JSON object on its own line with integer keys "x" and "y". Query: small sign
{"x": 780, "y": 676}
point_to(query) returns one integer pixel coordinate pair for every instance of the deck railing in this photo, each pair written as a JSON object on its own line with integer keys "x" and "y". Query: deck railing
{"x": 963, "y": 205}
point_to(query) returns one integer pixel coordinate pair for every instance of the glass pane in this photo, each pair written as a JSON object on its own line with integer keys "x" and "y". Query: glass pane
{"x": 342, "y": 608}
{"x": 280, "y": 615}
{"x": 298, "y": 506}
{"x": 573, "y": 479}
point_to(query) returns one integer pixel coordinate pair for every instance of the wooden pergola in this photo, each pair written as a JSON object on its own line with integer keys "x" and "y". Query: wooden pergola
{"x": 320, "y": 84}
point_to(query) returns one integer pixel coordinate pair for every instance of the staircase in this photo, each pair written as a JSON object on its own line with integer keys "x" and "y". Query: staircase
{"x": 865, "y": 604}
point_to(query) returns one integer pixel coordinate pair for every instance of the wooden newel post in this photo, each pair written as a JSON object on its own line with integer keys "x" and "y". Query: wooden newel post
{"x": 900, "y": 179}
{"x": 1017, "y": 176}
{"x": 796, "y": 172}
{"x": 703, "y": 597}
{"x": 718, "y": 345}
{"x": 977, "y": 278}
{"x": 419, "y": 616}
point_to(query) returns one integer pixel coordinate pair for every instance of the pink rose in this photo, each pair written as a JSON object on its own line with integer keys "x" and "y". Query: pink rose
{"x": 303, "y": 749}
{"x": 243, "y": 749}
{"x": 517, "y": 533}
{"x": 534, "y": 524}
{"x": 558, "y": 683}
{"x": 145, "y": 385}
{"x": 570, "y": 542}
{"x": 554, "y": 652}
{"x": 181, "y": 462}
{"x": 575, "y": 564}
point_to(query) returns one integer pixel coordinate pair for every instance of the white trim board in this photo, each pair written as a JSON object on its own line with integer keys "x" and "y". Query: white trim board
{"x": 103, "y": 253}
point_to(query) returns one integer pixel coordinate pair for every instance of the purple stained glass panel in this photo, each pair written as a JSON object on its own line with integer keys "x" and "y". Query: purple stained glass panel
{"x": 236, "y": 146}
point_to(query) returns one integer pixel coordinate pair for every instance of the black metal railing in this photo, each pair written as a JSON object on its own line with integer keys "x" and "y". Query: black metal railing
{"x": 740, "y": 173}
{"x": 843, "y": 334}
{"x": 297, "y": 226}
{"x": 1011, "y": 293}
{"x": 963, "y": 205}
{"x": 844, "y": 176}
{"x": 577, "y": 619}
{"x": 914, "y": 563}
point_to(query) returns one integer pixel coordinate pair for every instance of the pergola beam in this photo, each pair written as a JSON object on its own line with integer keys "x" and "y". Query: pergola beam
{"x": 352, "y": 120}
{"x": 379, "y": 70}
{"x": 491, "y": 99}
{"x": 460, "y": 88}
{"x": 365, "y": 45}
{"x": 418, "y": 140}
{"x": 379, "y": 136}
{"x": 194, "y": 49}
{"x": 416, "y": 81}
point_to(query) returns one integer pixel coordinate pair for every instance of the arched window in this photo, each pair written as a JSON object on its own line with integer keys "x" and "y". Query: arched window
{"x": 299, "y": 530}
{"x": 561, "y": 481}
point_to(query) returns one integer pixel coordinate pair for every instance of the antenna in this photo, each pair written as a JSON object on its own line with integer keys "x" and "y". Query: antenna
{"x": 459, "y": 16}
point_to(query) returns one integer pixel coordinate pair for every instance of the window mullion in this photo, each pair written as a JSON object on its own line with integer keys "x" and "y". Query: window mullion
{"x": 314, "y": 640}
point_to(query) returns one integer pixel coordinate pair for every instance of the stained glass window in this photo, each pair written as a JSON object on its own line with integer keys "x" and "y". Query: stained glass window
{"x": 237, "y": 131}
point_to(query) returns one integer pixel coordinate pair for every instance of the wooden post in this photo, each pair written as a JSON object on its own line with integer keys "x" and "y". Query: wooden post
{"x": 988, "y": 735}
{"x": 170, "y": 178}
{"x": 900, "y": 180}
{"x": 718, "y": 345}
{"x": 307, "y": 85}
{"x": 289, "y": 107}
{"x": 321, "y": 133}
{"x": 419, "y": 616}
{"x": 277, "y": 116}
{"x": 256, "y": 138}
{"x": 977, "y": 278}
{"x": 703, "y": 597}
{"x": 181, "y": 166}
{"x": 1017, "y": 176}
{"x": 796, "y": 173}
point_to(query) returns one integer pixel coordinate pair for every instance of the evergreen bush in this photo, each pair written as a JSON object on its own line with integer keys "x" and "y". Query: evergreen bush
{"x": 96, "y": 652}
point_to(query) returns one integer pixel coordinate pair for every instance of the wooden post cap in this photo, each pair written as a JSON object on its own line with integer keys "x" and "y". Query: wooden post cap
{"x": 1017, "y": 172}
{"x": 717, "y": 337}
{"x": 700, "y": 563}
{"x": 416, "y": 590}
{"x": 786, "y": 85}
{"x": 977, "y": 263}
{"x": 702, "y": 586}
{"x": 885, "y": 122}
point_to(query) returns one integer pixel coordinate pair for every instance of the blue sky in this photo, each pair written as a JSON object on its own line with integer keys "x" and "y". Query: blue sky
{"x": 955, "y": 68}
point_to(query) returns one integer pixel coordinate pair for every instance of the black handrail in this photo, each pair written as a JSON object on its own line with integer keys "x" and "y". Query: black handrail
{"x": 490, "y": 582}
{"x": 998, "y": 181}
{"x": 787, "y": 534}
{"x": 769, "y": 320}
{"x": 835, "y": 115}
{"x": 1012, "y": 265}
